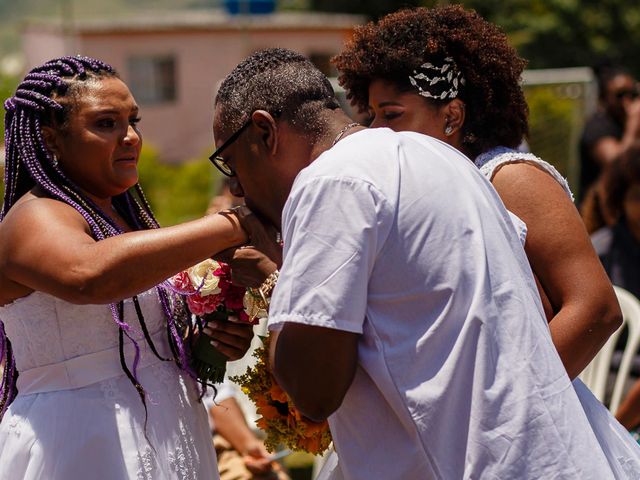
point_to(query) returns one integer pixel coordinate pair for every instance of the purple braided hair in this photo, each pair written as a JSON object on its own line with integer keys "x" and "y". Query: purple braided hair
{"x": 28, "y": 163}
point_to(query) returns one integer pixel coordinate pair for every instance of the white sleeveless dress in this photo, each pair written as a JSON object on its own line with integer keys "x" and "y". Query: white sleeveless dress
{"x": 621, "y": 450}
{"x": 77, "y": 416}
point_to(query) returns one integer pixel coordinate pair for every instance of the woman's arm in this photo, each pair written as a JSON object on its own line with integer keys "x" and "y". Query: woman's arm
{"x": 585, "y": 307}
{"x": 45, "y": 245}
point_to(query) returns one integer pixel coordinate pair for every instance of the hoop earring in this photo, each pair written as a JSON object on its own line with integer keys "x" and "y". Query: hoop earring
{"x": 448, "y": 130}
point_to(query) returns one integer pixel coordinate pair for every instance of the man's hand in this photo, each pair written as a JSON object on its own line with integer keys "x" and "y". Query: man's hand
{"x": 252, "y": 264}
{"x": 249, "y": 266}
{"x": 230, "y": 338}
{"x": 262, "y": 236}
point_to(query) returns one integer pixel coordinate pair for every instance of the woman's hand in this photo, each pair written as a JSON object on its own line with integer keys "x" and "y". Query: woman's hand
{"x": 231, "y": 338}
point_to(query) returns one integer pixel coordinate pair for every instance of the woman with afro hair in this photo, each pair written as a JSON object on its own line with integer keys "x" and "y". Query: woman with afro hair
{"x": 448, "y": 73}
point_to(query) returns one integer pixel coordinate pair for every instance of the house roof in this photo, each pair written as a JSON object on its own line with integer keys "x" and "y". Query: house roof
{"x": 201, "y": 20}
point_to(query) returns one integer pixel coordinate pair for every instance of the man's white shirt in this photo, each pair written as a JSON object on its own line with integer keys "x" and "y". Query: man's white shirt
{"x": 398, "y": 237}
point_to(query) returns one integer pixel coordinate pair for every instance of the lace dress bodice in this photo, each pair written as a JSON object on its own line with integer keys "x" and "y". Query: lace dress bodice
{"x": 44, "y": 329}
{"x": 78, "y": 415}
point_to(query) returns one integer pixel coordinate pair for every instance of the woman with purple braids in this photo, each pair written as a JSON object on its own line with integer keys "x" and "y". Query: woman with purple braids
{"x": 96, "y": 382}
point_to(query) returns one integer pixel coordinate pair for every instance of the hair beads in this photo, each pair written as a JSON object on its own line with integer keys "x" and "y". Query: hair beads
{"x": 28, "y": 163}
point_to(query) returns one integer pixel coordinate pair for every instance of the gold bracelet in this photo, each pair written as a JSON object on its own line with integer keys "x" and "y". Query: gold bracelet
{"x": 269, "y": 284}
{"x": 263, "y": 292}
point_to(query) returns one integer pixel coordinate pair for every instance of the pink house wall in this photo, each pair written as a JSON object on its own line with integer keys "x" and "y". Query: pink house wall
{"x": 181, "y": 130}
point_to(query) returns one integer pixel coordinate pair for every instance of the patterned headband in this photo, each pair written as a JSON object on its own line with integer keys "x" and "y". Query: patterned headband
{"x": 438, "y": 82}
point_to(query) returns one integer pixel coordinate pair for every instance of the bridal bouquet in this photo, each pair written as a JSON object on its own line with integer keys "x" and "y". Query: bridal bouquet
{"x": 212, "y": 297}
{"x": 280, "y": 419}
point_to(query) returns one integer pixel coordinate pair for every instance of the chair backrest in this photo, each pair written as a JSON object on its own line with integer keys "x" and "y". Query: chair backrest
{"x": 595, "y": 375}
{"x": 630, "y": 306}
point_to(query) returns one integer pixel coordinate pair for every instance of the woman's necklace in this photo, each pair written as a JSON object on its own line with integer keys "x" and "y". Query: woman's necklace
{"x": 344, "y": 130}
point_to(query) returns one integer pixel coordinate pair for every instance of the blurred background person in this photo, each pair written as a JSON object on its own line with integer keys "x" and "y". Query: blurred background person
{"x": 241, "y": 453}
{"x": 608, "y": 133}
{"x": 618, "y": 246}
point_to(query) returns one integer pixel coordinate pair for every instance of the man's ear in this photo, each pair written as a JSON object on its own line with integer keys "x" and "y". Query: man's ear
{"x": 268, "y": 130}
{"x": 50, "y": 137}
{"x": 454, "y": 113}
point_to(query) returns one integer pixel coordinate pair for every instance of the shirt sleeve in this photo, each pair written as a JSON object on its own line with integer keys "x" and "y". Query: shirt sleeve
{"x": 333, "y": 231}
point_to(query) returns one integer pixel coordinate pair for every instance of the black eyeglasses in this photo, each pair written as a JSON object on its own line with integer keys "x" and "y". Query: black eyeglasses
{"x": 218, "y": 161}
{"x": 633, "y": 94}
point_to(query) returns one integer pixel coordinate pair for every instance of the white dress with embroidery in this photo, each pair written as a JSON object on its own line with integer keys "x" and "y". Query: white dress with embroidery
{"x": 77, "y": 415}
{"x": 621, "y": 450}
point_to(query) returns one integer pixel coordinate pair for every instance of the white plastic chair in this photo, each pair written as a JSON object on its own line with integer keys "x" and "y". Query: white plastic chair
{"x": 595, "y": 375}
{"x": 630, "y": 306}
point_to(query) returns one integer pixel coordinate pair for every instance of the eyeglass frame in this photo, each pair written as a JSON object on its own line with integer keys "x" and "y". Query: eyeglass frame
{"x": 220, "y": 162}
{"x": 631, "y": 93}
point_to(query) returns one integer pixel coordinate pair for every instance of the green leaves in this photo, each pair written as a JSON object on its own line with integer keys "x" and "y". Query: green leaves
{"x": 177, "y": 193}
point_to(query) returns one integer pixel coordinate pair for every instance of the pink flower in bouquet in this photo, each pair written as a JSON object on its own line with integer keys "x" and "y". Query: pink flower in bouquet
{"x": 233, "y": 296}
{"x": 201, "y": 305}
{"x": 212, "y": 297}
{"x": 182, "y": 283}
{"x": 208, "y": 287}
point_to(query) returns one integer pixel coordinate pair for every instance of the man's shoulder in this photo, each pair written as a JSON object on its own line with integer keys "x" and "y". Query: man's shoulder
{"x": 358, "y": 155}
{"x": 374, "y": 146}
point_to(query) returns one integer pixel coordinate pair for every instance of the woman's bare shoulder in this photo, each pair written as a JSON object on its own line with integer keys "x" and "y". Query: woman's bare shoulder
{"x": 33, "y": 210}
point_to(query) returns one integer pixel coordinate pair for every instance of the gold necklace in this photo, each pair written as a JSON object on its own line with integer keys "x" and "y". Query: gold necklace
{"x": 344, "y": 130}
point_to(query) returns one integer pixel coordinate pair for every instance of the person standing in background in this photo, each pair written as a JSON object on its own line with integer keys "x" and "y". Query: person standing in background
{"x": 608, "y": 133}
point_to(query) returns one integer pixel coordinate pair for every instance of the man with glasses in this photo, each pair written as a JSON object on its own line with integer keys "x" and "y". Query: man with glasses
{"x": 613, "y": 128}
{"x": 405, "y": 311}
{"x": 216, "y": 157}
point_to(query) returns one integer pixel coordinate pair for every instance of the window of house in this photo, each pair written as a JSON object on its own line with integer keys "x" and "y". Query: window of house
{"x": 152, "y": 79}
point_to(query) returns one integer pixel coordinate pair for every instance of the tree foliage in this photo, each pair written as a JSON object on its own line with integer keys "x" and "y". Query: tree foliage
{"x": 370, "y": 8}
{"x": 177, "y": 193}
{"x": 8, "y": 86}
{"x": 566, "y": 33}
{"x": 549, "y": 33}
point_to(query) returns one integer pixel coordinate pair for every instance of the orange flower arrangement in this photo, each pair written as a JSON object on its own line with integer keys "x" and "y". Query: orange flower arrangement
{"x": 279, "y": 418}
